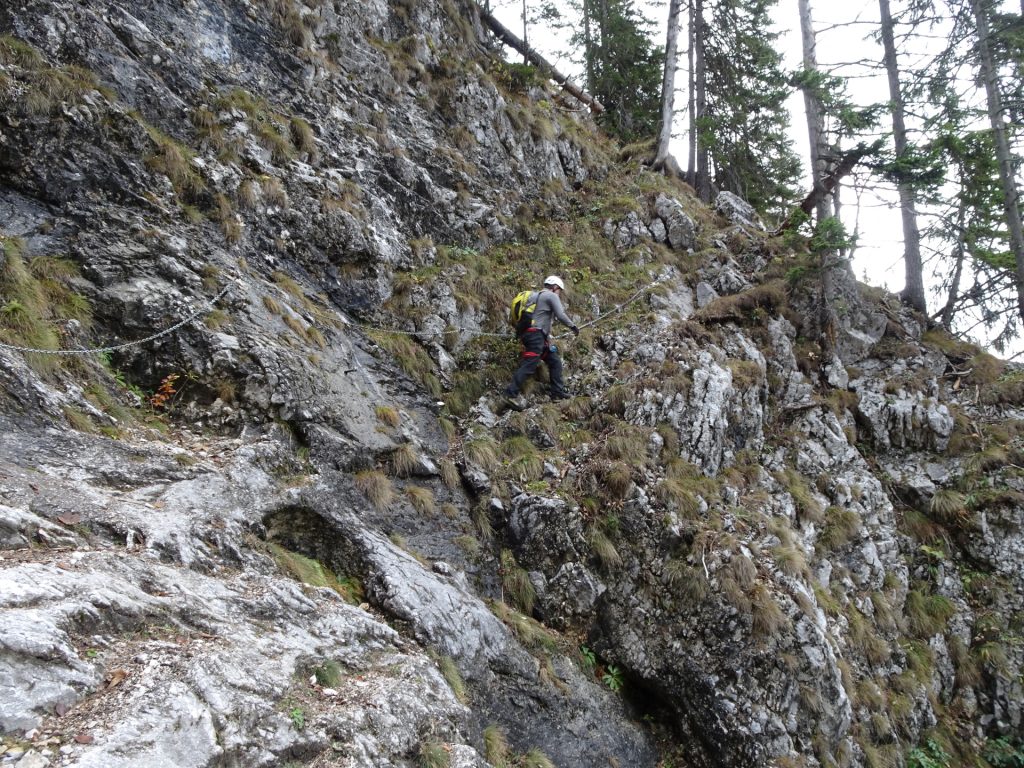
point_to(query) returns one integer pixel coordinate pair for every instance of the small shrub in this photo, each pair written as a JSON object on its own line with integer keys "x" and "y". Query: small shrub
{"x": 328, "y": 674}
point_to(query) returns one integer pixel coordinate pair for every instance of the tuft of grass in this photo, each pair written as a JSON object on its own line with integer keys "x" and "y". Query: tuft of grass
{"x": 175, "y": 161}
{"x": 496, "y": 747}
{"x": 78, "y": 420}
{"x": 524, "y": 460}
{"x": 535, "y": 758}
{"x": 272, "y": 305}
{"x": 388, "y": 415}
{"x": 807, "y": 505}
{"x": 312, "y": 572}
{"x": 516, "y": 584}
{"x": 618, "y": 479}
{"x": 482, "y": 521}
{"x": 404, "y": 460}
{"x": 453, "y": 677}
{"x": 766, "y": 615}
{"x": 449, "y": 473}
{"x": 376, "y": 487}
{"x": 483, "y": 452}
{"x": 927, "y": 615}
{"x": 529, "y": 632}
{"x": 603, "y": 547}
{"x": 840, "y": 527}
{"x": 791, "y": 560}
{"x": 687, "y": 581}
{"x": 434, "y": 755}
{"x": 274, "y": 192}
{"x": 948, "y": 506}
{"x": 303, "y": 137}
{"x": 249, "y": 194}
{"x": 422, "y": 499}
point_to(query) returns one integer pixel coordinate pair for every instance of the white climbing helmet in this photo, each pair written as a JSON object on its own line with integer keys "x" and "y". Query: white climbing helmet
{"x": 554, "y": 280}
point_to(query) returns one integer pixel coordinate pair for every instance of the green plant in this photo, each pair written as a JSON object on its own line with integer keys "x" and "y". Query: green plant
{"x": 930, "y": 755}
{"x": 1004, "y": 753}
{"x": 433, "y": 754}
{"x": 328, "y": 674}
{"x": 613, "y": 678}
{"x": 298, "y": 718}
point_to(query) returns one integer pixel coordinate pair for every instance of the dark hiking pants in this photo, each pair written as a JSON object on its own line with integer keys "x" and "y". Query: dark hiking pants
{"x": 536, "y": 349}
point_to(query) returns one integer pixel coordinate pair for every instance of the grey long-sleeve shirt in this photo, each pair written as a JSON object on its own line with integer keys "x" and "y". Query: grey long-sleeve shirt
{"x": 549, "y": 307}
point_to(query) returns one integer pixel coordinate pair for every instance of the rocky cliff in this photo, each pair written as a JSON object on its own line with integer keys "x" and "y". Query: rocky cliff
{"x": 280, "y": 518}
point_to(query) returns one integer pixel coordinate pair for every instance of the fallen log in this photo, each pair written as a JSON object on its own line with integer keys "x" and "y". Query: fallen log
{"x": 507, "y": 37}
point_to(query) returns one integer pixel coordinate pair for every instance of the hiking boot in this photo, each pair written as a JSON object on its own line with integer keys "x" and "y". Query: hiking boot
{"x": 515, "y": 402}
{"x": 559, "y": 396}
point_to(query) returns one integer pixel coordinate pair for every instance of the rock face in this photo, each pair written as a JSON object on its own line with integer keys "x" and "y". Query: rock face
{"x": 280, "y": 521}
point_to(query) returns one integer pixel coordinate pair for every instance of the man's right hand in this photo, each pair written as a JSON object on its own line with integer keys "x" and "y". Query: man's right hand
{"x": 575, "y": 331}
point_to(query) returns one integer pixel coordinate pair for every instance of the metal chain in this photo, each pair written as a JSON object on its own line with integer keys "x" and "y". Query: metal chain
{"x": 171, "y": 329}
{"x": 599, "y": 318}
{"x": 116, "y": 347}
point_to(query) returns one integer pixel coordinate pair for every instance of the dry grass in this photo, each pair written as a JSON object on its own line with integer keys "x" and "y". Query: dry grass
{"x": 449, "y": 473}
{"x": 741, "y": 307}
{"x": 404, "y": 460}
{"x": 388, "y": 415}
{"x": 376, "y": 487}
{"x": 422, "y": 499}
{"x": 604, "y": 548}
{"x": 496, "y": 747}
{"x": 516, "y": 584}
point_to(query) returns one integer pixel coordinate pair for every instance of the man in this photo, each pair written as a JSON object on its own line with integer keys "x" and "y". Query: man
{"x": 536, "y": 346}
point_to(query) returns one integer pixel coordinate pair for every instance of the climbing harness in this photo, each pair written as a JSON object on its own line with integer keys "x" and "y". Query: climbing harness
{"x": 116, "y": 347}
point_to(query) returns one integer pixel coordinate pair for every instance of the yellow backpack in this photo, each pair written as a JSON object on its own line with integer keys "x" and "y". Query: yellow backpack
{"x": 520, "y": 314}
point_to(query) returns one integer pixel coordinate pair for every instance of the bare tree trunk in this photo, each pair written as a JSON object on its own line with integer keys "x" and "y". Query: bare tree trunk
{"x": 813, "y": 109}
{"x": 1004, "y": 157}
{"x": 913, "y": 290}
{"x": 703, "y": 185}
{"x": 691, "y": 98}
{"x": 663, "y": 159}
{"x": 526, "y": 38}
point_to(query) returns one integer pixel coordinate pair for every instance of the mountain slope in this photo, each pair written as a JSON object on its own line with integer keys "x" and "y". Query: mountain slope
{"x": 298, "y": 529}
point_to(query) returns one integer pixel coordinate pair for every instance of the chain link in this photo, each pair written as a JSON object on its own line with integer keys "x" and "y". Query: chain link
{"x": 116, "y": 347}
